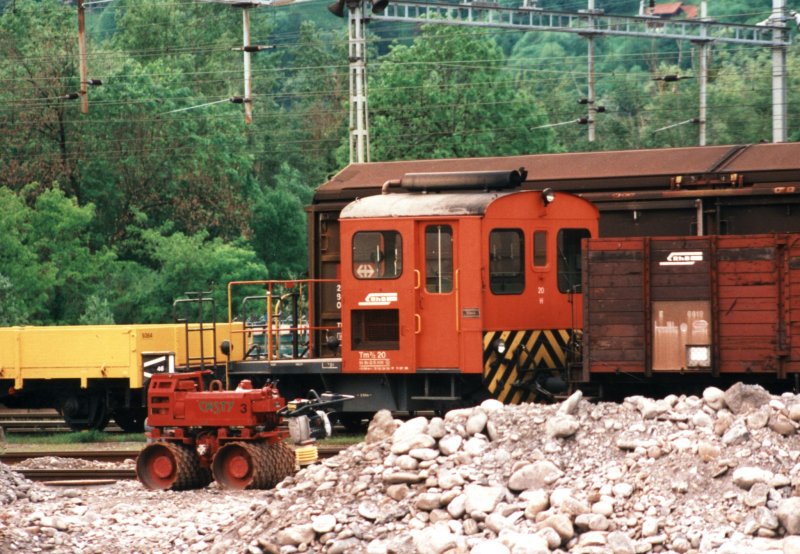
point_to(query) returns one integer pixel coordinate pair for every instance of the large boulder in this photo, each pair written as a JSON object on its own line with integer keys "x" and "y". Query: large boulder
{"x": 789, "y": 515}
{"x": 741, "y": 398}
{"x": 381, "y": 427}
{"x": 534, "y": 476}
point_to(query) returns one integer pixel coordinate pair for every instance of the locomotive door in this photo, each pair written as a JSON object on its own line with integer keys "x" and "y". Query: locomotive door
{"x": 436, "y": 303}
{"x": 378, "y": 288}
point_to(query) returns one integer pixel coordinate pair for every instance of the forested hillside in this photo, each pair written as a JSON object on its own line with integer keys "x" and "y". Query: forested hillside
{"x": 162, "y": 188}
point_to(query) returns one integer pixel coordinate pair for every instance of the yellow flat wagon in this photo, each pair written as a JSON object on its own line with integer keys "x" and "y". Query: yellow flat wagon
{"x": 93, "y": 373}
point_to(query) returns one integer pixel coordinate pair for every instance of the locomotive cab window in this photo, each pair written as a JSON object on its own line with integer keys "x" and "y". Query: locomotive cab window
{"x": 506, "y": 261}
{"x": 377, "y": 255}
{"x": 438, "y": 259}
{"x": 569, "y": 259}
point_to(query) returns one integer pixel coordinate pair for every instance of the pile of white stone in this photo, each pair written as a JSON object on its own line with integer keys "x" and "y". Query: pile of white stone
{"x": 13, "y": 486}
{"x": 717, "y": 473}
{"x": 683, "y": 474}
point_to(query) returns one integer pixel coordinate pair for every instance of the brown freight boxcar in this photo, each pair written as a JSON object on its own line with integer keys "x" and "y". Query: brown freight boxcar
{"x": 724, "y": 306}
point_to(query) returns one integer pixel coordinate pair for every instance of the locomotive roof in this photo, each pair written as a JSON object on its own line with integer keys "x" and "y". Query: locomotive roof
{"x": 586, "y": 171}
{"x": 420, "y": 205}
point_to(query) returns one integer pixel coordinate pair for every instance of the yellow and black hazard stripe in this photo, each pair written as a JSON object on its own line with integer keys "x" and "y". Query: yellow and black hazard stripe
{"x": 508, "y": 377}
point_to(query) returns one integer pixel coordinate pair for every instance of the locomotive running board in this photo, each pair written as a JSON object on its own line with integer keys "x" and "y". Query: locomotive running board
{"x": 286, "y": 367}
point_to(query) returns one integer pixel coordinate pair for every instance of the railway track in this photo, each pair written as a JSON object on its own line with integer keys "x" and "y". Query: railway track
{"x": 95, "y": 476}
{"x": 35, "y": 421}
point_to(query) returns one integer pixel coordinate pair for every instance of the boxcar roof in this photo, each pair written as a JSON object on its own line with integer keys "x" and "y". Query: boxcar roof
{"x": 586, "y": 171}
{"x": 420, "y": 205}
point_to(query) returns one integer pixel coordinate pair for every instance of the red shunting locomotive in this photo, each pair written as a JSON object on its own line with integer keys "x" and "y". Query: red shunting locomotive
{"x": 434, "y": 279}
{"x": 450, "y": 286}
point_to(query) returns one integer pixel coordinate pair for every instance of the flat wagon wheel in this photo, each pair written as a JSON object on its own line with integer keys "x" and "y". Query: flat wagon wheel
{"x": 163, "y": 465}
{"x": 85, "y": 411}
{"x": 130, "y": 420}
{"x": 239, "y": 465}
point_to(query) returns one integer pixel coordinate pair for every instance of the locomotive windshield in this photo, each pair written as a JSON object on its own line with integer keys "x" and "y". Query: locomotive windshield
{"x": 377, "y": 255}
{"x": 506, "y": 261}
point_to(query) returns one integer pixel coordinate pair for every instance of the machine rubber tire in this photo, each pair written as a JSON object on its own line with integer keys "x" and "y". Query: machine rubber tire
{"x": 281, "y": 461}
{"x": 170, "y": 466}
{"x": 130, "y": 420}
{"x": 85, "y": 412}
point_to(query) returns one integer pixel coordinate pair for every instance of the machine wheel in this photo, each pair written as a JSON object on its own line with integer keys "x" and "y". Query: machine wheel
{"x": 85, "y": 411}
{"x": 281, "y": 460}
{"x": 163, "y": 465}
{"x": 239, "y": 465}
{"x": 130, "y": 420}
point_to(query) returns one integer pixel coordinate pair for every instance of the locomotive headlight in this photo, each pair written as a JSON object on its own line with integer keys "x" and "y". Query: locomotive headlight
{"x": 698, "y": 356}
{"x": 548, "y": 196}
{"x": 499, "y": 346}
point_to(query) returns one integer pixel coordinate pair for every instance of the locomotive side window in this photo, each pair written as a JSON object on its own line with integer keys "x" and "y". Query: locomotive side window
{"x": 506, "y": 261}
{"x": 569, "y": 259}
{"x": 438, "y": 259}
{"x": 377, "y": 255}
{"x": 540, "y": 248}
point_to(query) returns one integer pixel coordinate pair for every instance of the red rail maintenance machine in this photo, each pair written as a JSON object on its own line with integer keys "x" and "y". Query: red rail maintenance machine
{"x": 199, "y": 433}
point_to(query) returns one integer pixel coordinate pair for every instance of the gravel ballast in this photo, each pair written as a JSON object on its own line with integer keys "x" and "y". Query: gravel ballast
{"x": 717, "y": 473}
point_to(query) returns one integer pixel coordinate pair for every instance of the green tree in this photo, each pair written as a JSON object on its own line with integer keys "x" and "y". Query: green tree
{"x": 12, "y": 311}
{"x": 24, "y": 284}
{"x": 59, "y": 234}
{"x": 38, "y": 69}
{"x": 97, "y": 312}
{"x": 311, "y": 119}
{"x": 178, "y": 264}
{"x": 279, "y": 224}
{"x": 49, "y": 267}
{"x": 450, "y": 94}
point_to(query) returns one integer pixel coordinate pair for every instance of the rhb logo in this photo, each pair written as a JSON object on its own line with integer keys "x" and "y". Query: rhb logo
{"x": 379, "y": 299}
{"x": 682, "y": 258}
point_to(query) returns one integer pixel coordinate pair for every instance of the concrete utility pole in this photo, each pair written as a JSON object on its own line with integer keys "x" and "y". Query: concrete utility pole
{"x": 248, "y": 48}
{"x": 590, "y": 94}
{"x": 359, "y": 119}
{"x": 248, "y": 81}
{"x": 82, "y": 70}
{"x": 703, "y": 49}
{"x": 779, "y": 116}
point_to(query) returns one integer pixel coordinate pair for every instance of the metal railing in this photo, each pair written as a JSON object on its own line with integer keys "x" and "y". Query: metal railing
{"x": 284, "y": 310}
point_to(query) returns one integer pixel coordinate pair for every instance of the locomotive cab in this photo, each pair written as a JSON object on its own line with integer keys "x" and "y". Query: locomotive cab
{"x": 462, "y": 292}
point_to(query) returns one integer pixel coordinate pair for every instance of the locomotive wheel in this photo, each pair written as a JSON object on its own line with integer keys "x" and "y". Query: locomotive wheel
{"x": 281, "y": 461}
{"x": 163, "y": 465}
{"x": 130, "y": 420}
{"x": 84, "y": 412}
